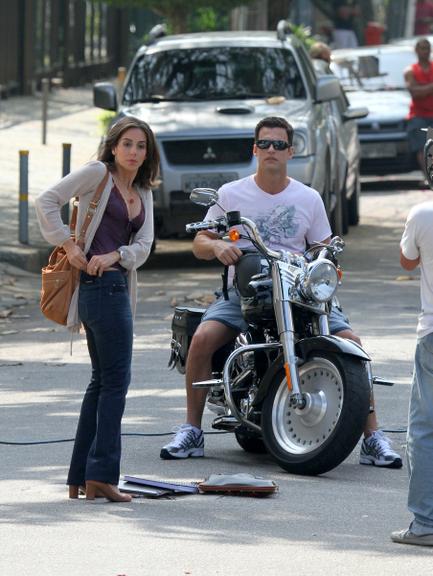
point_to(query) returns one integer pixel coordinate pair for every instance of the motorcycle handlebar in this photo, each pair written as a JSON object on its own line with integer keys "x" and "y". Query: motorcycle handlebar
{"x": 196, "y": 226}
{"x": 222, "y": 224}
{"x": 258, "y": 239}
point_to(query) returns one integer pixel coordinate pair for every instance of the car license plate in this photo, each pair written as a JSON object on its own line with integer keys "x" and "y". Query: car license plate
{"x": 215, "y": 180}
{"x": 378, "y": 150}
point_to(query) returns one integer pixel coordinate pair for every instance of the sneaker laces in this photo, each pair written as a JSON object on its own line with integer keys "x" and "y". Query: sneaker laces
{"x": 380, "y": 442}
{"x": 182, "y": 433}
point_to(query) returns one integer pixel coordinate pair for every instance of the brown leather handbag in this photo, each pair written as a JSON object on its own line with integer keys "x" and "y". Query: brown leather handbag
{"x": 59, "y": 278}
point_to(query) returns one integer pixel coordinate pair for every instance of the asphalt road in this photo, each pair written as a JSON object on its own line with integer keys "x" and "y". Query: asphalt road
{"x": 335, "y": 524}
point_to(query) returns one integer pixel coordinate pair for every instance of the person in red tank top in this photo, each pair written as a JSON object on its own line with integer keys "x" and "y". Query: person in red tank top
{"x": 419, "y": 82}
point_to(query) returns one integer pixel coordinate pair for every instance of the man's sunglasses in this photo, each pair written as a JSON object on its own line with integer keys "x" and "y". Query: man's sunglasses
{"x": 277, "y": 144}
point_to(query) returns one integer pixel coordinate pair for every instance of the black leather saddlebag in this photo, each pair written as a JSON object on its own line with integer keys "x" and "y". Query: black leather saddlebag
{"x": 184, "y": 324}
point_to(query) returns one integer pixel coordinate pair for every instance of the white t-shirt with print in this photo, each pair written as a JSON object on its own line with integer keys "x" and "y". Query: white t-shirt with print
{"x": 286, "y": 221}
{"x": 417, "y": 241}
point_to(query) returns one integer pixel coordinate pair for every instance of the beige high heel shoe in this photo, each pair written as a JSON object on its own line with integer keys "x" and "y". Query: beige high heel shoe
{"x": 73, "y": 491}
{"x": 77, "y": 491}
{"x": 93, "y": 487}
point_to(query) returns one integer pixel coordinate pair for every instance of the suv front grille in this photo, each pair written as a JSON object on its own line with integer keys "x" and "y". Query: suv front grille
{"x": 209, "y": 151}
{"x": 382, "y": 127}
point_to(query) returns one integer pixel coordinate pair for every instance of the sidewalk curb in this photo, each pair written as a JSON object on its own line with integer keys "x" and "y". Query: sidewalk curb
{"x": 32, "y": 259}
{"x": 28, "y": 258}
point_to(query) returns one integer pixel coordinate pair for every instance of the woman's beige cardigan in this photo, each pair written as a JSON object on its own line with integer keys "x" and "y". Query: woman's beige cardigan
{"x": 83, "y": 183}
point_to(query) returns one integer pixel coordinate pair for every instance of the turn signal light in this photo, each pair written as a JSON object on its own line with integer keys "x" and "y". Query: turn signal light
{"x": 288, "y": 377}
{"x": 339, "y": 273}
{"x": 234, "y": 235}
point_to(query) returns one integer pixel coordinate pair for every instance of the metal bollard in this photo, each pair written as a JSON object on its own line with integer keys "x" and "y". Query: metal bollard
{"x": 66, "y": 168}
{"x": 45, "y": 93}
{"x": 23, "y": 204}
{"x": 121, "y": 75}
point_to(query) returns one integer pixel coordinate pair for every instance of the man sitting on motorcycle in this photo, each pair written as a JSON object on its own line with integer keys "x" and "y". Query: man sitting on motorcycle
{"x": 289, "y": 215}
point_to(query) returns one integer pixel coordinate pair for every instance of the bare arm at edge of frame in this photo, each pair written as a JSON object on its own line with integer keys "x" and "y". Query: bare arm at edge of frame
{"x": 408, "y": 264}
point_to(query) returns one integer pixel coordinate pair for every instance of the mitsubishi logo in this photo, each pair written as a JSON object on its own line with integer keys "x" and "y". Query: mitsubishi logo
{"x": 209, "y": 154}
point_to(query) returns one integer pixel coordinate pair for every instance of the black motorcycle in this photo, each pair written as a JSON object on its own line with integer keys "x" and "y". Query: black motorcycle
{"x": 285, "y": 386}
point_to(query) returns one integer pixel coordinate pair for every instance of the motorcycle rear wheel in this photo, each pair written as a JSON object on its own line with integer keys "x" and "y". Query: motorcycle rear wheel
{"x": 319, "y": 437}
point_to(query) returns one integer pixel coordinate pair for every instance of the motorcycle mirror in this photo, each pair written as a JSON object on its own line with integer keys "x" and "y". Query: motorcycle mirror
{"x": 204, "y": 196}
{"x": 338, "y": 243}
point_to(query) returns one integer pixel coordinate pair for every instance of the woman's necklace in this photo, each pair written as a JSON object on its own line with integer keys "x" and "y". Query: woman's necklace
{"x": 127, "y": 195}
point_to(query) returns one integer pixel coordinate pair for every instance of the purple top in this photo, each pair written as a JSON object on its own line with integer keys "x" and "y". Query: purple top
{"x": 116, "y": 228}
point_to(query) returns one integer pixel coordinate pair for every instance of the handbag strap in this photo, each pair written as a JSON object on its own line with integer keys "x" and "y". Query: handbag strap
{"x": 90, "y": 212}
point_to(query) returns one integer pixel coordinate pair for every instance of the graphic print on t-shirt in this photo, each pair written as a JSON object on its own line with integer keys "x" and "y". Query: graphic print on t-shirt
{"x": 278, "y": 224}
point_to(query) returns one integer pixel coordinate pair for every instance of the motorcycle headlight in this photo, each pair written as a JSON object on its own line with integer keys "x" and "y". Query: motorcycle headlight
{"x": 320, "y": 281}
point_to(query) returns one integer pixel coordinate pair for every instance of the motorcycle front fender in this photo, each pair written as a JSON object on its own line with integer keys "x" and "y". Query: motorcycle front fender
{"x": 334, "y": 344}
{"x": 307, "y": 347}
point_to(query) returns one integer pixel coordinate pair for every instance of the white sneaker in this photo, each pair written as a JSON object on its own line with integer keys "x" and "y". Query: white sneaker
{"x": 408, "y": 537}
{"x": 376, "y": 451}
{"x": 188, "y": 441}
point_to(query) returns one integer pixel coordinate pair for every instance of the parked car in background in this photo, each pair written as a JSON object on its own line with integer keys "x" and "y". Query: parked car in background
{"x": 346, "y": 150}
{"x": 411, "y": 41}
{"x": 203, "y": 95}
{"x": 373, "y": 76}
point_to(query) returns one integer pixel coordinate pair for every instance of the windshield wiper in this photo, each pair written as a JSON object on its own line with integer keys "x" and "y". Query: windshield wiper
{"x": 234, "y": 96}
{"x": 156, "y": 98}
{"x": 250, "y": 95}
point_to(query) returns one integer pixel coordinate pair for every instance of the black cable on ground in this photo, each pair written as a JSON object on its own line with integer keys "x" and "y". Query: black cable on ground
{"x": 39, "y": 442}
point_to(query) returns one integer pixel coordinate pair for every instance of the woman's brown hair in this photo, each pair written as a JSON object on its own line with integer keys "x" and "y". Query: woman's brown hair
{"x": 147, "y": 175}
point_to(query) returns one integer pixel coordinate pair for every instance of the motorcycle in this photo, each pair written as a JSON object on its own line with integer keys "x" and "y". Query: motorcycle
{"x": 284, "y": 386}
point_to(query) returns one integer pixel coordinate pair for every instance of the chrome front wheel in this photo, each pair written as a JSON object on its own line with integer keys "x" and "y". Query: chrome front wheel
{"x": 300, "y": 431}
{"x": 319, "y": 436}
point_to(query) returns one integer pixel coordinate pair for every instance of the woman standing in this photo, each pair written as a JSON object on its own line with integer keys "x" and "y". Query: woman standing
{"x": 118, "y": 240}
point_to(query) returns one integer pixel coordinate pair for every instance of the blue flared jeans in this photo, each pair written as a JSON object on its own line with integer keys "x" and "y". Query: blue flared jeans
{"x": 420, "y": 438}
{"x": 105, "y": 311}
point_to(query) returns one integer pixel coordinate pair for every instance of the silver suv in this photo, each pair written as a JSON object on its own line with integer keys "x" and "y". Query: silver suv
{"x": 203, "y": 95}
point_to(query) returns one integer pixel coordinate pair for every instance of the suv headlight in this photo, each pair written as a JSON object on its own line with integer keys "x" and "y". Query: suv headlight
{"x": 320, "y": 281}
{"x": 299, "y": 144}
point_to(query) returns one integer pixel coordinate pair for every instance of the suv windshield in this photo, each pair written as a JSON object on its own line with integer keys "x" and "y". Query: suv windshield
{"x": 214, "y": 74}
